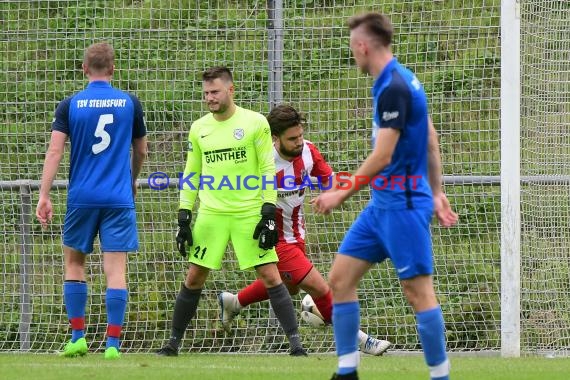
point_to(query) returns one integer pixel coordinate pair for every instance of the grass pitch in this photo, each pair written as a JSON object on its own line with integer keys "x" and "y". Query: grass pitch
{"x": 269, "y": 367}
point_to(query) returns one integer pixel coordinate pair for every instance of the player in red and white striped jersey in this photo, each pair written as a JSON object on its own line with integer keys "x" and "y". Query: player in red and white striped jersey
{"x": 296, "y": 161}
{"x": 293, "y": 177}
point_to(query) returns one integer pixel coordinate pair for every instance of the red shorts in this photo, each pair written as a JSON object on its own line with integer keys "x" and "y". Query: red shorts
{"x": 293, "y": 265}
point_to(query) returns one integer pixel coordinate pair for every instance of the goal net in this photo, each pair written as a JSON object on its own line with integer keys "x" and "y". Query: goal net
{"x": 545, "y": 153}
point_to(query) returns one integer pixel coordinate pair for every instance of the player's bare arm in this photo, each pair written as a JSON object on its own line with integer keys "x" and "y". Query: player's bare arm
{"x": 442, "y": 208}
{"x": 44, "y": 210}
{"x": 137, "y": 159}
{"x": 380, "y": 157}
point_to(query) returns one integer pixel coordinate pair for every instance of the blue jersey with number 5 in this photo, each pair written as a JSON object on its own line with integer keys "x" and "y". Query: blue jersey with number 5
{"x": 101, "y": 123}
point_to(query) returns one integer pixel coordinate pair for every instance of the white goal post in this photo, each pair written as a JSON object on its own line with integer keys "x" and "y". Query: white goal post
{"x": 510, "y": 178}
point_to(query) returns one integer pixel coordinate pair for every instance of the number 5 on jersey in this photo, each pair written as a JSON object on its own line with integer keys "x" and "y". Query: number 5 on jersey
{"x": 100, "y": 132}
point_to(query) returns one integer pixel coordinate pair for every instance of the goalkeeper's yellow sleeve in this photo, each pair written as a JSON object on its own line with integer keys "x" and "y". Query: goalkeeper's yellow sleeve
{"x": 190, "y": 181}
{"x": 264, "y": 149}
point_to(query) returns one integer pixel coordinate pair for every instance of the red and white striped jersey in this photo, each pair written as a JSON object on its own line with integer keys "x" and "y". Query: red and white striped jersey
{"x": 292, "y": 180}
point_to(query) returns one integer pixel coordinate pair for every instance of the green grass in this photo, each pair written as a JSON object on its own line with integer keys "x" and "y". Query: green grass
{"x": 276, "y": 367}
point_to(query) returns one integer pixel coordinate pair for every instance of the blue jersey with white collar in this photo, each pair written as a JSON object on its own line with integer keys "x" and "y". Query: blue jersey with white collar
{"x": 101, "y": 123}
{"x": 399, "y": 102}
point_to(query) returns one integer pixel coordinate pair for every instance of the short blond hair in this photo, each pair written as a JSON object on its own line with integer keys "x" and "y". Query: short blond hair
{"x": 99, "y": 58}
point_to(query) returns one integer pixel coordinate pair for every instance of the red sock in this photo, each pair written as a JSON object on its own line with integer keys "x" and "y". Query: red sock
{"x": 324, "y": 304}
{"x": 254, "y": 292}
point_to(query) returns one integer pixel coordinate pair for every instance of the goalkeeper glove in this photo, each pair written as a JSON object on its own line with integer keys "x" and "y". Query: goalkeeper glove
{"x": 184, "y": 235}
{"x": 266, "y": 230}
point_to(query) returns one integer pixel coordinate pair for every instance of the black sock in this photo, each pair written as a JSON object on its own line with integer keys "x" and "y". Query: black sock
{"x": 285, "y": 313}
{"x": 184, "y": 310}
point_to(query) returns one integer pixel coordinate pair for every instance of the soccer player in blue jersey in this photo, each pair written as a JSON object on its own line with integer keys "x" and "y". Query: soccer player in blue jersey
{"x": 404, "y": 171}
{"x": 102, "y": 123}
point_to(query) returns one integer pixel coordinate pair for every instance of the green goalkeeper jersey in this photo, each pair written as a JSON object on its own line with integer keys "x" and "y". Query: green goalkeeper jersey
{"x": 230, "y": 165}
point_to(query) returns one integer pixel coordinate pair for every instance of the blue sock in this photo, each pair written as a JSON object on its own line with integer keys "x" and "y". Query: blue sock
{"x": 431, "y": 329}
{"x": 346, "y": 322}
{"x": 75, "y": 299}
{"x": 116, "y": 303}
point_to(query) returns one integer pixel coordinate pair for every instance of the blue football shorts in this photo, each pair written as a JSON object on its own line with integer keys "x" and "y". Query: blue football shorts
{"x": 403, "y": 236}
{"x": 117, "y": 229}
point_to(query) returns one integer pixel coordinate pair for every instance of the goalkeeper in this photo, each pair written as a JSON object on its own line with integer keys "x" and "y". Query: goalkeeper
{"x": 295, "y": 159}
{"x": 224, "y": 147}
